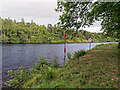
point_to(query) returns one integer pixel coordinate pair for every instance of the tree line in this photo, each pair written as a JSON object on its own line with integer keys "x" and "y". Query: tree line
{"x": 30, "y": 32}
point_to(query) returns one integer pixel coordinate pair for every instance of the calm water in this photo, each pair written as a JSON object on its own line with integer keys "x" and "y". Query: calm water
{"x": 26, "y": 55}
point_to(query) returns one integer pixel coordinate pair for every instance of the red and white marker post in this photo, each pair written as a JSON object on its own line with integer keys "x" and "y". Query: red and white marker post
{"x": 64, "y": 47}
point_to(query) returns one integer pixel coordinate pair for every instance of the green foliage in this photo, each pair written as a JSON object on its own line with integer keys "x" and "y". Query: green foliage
{"x": 55, "y": 63}
{"x": 78, "y": 54}
{"x": 83, "y": 14}
{"x": 47, "y": 71}
{"x": 119, "y": 45}
{"x": 69, "y": 56}
{"x": 82, "y": 81}
{"x": 42, "y": 60}
{"x": 91, "y": 71}
{"x": 104, "y": 46}
{"x": 43, "y": 68}
{"x": 21, "y": 32}
{"x": 58, "y": 84}
{"x": 19, "y": 77}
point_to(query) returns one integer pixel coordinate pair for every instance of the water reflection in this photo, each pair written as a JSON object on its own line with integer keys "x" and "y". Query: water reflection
{"x": 26, "y": 55}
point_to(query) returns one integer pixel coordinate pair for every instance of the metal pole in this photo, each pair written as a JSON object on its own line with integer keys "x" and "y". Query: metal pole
{"x": 64, "y": 47}
{"x": 90, "y": 46}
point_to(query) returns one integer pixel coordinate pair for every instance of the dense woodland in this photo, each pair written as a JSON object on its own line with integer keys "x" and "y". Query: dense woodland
{"x": 25, "y": 32}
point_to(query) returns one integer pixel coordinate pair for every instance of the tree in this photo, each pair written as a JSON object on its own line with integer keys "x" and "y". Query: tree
{"x": 22, "y": 32}
{"x": 81, "y": 14}
{"x": 49, "y": 28}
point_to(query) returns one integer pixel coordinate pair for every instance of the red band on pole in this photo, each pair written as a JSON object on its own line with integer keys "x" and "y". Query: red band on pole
{"x": 64, "y": 50}
{"x": 64, "y": 35}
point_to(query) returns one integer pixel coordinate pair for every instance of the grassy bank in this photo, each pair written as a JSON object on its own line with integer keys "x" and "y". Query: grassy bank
{"x": 98, "y": 68}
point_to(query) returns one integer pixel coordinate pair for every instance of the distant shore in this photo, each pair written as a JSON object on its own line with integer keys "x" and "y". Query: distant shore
{"x": 59, "y": 43}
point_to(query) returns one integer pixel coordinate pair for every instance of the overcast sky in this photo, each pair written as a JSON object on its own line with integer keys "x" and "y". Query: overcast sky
{"x": 40, "y": 11}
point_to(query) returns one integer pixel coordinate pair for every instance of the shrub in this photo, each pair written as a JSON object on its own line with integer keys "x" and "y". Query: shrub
{"x": 69, "y": 56}
{"x": 58, "y": 84}
{"x": 55, "y": 62}
{"x": 46, "y": 71}
{"x": 78, "y": 54}
{"x": 42, "y": 60}
{"x": 19, "y": 77}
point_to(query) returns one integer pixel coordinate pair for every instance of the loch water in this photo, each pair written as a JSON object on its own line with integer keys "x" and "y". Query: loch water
{"x": 26, "y": 55}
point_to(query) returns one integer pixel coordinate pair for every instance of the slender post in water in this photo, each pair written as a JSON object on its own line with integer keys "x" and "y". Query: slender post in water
{"x": 90, "y": 46}
{"x": 90, "y": 40}
{"x": 64, "y": 47}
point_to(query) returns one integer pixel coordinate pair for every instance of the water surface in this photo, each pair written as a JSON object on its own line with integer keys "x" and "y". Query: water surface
{"x": 26, "y": 55}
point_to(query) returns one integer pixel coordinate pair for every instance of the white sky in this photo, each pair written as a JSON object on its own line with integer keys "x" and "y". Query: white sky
{"x": 40, "y": 11}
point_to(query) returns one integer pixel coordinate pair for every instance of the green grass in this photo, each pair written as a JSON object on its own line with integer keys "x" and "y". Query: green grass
{"x": 98, "y": 68}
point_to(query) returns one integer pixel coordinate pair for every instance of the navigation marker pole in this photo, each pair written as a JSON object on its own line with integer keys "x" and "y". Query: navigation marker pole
{"x": 90, "y": 46}
{"x": 64, "y": 47}
{"x": 90, "y": 40}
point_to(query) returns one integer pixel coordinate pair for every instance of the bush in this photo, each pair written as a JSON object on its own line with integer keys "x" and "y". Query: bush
{"x": 42, "y": 60}
{"x": 78, "y": 54}
{"x": 69, "y": 56}
{"x": 55, "y": 62}
{"x": 46, "y": 71}
{"x": 58, "y": 84}
{"x": 19, "y": 77}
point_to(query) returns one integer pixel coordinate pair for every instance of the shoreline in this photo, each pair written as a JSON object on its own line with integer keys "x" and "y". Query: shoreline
{"x": 59, "y": 43}
{"x": 83, "y": 56}
{"x": 3, "y": 86}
